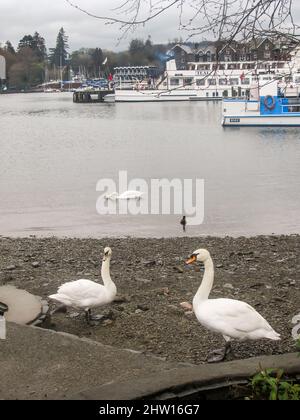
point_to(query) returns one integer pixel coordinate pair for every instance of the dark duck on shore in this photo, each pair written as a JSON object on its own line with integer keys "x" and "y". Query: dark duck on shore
{"x": 183, "y": 223}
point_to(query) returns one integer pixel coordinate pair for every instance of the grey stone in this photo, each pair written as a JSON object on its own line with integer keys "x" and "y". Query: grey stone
{"x": 228, "y": 286}
{"x": 35, "y": 264}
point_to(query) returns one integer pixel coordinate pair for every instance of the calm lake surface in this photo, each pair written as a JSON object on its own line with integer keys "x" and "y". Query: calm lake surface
{"x": 53, "y": 153}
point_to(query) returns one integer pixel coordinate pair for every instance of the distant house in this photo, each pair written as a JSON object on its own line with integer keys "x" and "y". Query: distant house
{"x": 227, "y": 52}
{"x": 182, "y": 54}
{"x": 259, "y": 49}
{"x": 206, "y": 54}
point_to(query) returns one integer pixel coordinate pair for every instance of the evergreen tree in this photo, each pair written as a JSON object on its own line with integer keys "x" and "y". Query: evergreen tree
{"x": 39, "y": 46}
{"x": 9, "y": 47}
{"x": 26, "y": 42}
{"x": 59, "y": 54}
{"x": 36, "y": 43}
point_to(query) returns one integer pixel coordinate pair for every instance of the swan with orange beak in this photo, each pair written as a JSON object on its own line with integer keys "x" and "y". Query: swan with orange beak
{"x": 231, "y": 318}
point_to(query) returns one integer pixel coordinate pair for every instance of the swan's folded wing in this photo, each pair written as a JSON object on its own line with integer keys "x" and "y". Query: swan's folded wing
{"x": 238, "y": 316}
{"x": 81, "y": 290}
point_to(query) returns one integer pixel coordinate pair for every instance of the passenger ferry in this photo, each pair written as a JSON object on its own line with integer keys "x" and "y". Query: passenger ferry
{"x": 209, "y": 81}
{"x": 267, "y": 106}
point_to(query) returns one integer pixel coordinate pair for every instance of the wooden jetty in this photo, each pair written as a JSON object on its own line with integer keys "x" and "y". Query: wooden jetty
{"x": 91, "y": 96}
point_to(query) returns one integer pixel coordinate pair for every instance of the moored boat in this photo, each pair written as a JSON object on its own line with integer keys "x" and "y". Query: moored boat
{"x": 265, "y": 107}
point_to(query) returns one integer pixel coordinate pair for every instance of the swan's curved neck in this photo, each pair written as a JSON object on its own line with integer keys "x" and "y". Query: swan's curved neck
{"x": 105, "y": 274}
{"x": 207, "y": 282}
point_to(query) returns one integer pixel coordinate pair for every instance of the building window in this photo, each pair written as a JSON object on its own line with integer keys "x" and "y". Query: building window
{"x": 212, "y": 82}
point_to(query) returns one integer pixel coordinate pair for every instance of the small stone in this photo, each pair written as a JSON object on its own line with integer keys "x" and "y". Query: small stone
{"x": 189, "y": 313}
{"x": 219, "y": 265}
{"x": 143, "y": 308}
{"x": 228, "y": 286}
{"x": 74, "y": 315}
{"x": 256, "y": 285}
{"x": 139, "y": 311}
{"x": 150, "y": 263}
{"x": 178, "y": 269}
{"x": 145, "y": 281}
{"x": 35, "y": 264}
{"x": 11, "y": 268}
{"x": 186, "y": 305}
{"x": 107, "y": 322}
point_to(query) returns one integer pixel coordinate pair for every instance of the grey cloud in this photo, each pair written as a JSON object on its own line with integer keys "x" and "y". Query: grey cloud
{"x": 47, "y": 16}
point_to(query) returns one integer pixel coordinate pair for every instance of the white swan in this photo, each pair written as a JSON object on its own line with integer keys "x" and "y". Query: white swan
{"x": 112, "y": 196}
{"x": 86, "y": 294}
{"x": 231, "y": 318}
{"x": 127, "y": 195}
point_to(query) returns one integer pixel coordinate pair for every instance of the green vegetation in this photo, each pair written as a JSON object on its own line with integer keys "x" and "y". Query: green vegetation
{"x": 59, "y": 55}
{"x": 30, "y": 65}
{"x": 272, "y": 385}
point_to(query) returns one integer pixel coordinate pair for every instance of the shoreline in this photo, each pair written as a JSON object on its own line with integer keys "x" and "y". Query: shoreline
{"x": 152, "y": 279}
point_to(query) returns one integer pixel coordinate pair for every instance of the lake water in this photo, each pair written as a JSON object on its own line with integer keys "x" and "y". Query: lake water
{"x": 53, "y": 153}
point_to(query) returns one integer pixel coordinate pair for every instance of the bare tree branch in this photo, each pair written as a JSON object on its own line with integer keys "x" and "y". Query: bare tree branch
{"x": 222, "y": 19}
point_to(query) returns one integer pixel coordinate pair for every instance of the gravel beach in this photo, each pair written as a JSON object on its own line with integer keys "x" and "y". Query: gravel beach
{"x": 153, "y": 280}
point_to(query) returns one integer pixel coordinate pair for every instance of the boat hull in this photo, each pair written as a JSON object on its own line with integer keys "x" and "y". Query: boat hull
{"x": 151, "y": 96}
{"x": 262, "y": 121}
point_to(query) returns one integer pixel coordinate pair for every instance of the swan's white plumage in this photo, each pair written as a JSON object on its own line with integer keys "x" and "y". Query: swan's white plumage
{"x": 235, "y": 319}
{"x": 87, "y": 294}
{"x": 82, "y": 294}
{"x": 231, "y": 318}
{"x": 127, "y": 195}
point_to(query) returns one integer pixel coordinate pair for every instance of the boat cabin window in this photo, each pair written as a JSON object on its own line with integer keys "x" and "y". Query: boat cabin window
{"x": 200, "y": 82}
{"x": 174, "y": 82}
{"x": 212, "y": 82}
{"x": 245, "y": 81}
{"x": 222, "y": 82}
{"x": 188, "y": 81}
{"x": 234, "y": 81}
{"x": 291, "y": 108}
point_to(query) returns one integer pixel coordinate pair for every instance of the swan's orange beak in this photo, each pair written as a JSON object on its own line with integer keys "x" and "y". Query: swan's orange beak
{"x": 192, "y": 259}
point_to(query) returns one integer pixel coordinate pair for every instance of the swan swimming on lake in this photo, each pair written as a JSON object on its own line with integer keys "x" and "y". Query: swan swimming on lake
{"x": 127, "y": 195}
{"x": 86, "y": 294}
{"x": 231, "y": 318}
{"x": 111, "y": 196}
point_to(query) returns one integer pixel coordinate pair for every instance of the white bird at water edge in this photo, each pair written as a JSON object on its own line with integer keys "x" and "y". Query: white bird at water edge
{"x": 127, "y": 195}
{"x": 231, "y": 318}
{"x": 86, "y": 294}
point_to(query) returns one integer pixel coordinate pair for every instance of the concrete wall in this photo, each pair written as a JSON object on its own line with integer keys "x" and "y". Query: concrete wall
{"x": 2, "y": 68}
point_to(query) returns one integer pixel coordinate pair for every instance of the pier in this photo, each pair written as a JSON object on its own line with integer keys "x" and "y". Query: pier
{"x": 91, "y": 96}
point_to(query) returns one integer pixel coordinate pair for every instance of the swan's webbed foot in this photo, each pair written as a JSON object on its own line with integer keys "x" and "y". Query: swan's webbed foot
{"x": 91, "y": 320}
{"x": 220, "y": 355}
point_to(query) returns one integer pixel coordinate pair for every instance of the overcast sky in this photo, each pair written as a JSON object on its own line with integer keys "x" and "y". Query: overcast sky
{"x": 21, "y": 17}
